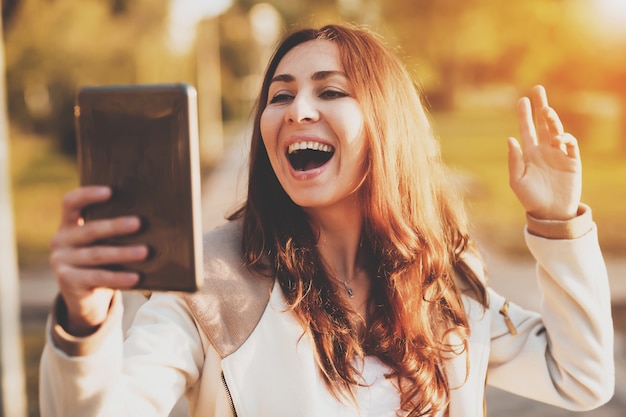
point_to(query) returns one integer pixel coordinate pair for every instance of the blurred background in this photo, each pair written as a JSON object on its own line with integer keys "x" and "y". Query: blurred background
{"x": 472, "y": 59}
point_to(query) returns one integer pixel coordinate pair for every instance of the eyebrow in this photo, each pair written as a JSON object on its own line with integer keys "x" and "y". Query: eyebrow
{"x": 317, "y": 76}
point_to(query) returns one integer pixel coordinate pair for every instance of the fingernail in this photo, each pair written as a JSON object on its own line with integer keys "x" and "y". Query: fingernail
{"x": 102, "y": 191}
{"x": 130, "y": 277}
{"x": 130, "y": 222}
{"x": 139, "y": 251}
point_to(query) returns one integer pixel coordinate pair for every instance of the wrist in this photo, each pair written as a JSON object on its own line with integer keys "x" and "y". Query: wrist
{"x": 558, "y": 214}
{"x": 82, "y": 345}
{"x": 78, "y": 323}
{"x": 80, "y": 329}
{"x": 571, "y": 228}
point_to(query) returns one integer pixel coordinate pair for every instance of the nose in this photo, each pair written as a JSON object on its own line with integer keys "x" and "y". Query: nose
{"x": 302, "y": 109}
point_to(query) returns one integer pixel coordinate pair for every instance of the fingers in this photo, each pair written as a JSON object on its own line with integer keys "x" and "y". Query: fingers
{"x": 74, "y": 232}
{"x": 76, "y": 200}
{"x": 77, "y": 266}
{"x": 76, "y": 257}
{"x": 70, "y": 277}
{"x": 516, "y": 161}
{"x": 546, "y": 127}
{"x": 553, "y": 122}
{"x": 539, "y": 100}
{"x": 526, "y": 123}
{"x": 539, "y": 97}
{"x": 567, "y": 143}
{"x": 79, "y": 261}
{"x": 91, "y": 256}
{"x": 93, "y": 231}
{"x": 556, "y": 136}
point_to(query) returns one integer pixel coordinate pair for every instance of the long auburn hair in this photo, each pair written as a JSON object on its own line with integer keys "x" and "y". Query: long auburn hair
{"x": 415, "y": 231}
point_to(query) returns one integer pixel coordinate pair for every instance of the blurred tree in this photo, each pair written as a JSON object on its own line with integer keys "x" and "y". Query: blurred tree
{"x": 55, "y": 46}
{"x": 236, "y": 48}
{"x": 301, "y": 12}
{"x": 8, "y": 7}
{"x": 448, "y": 44}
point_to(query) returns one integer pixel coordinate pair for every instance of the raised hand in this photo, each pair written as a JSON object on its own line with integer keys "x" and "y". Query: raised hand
{"x": 76, "y": 258}
{"x": 545, "y": 172}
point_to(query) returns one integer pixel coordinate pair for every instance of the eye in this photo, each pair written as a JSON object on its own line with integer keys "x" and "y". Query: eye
{"x": 332, "y": 94}
{"x": 280, "y": 98}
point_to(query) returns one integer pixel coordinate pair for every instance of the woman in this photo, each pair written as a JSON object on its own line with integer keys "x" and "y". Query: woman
{"x": 347, "y": 283}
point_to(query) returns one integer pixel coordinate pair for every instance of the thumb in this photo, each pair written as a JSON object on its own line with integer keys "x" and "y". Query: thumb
{"x": 516, "y": 161}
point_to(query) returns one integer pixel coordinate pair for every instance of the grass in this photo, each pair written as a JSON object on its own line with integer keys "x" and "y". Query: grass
{"x": 474, "y": 144}
{"x": 40, "y": 177}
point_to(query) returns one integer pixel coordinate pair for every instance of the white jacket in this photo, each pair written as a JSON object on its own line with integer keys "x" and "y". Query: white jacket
{"x": 234, "y": 346}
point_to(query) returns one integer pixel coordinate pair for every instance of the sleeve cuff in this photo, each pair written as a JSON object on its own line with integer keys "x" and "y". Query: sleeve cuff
{"x": 562, "y": 229}
{"x": 82, "y": 346}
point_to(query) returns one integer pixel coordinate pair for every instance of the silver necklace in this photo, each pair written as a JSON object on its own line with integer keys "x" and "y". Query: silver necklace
{"x": 346, "y": 286}
{"x": 349, "y": 290}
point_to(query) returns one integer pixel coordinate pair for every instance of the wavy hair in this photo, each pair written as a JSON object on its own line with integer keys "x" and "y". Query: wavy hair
{"x": 415, "y": 232}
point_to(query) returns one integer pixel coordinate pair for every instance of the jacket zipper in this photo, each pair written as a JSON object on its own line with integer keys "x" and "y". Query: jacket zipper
{"x": 230, "y": 398}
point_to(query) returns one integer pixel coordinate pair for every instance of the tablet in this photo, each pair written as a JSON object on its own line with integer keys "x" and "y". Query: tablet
{"x": 142, "y": 141}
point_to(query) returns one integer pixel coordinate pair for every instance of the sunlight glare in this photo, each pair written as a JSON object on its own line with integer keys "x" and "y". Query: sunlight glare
{"x": 612, "y": 15}
{"x": 185, "y": 16}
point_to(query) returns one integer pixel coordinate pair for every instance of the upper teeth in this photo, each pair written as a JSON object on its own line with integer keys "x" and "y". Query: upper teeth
{"x": 316, "y": 146}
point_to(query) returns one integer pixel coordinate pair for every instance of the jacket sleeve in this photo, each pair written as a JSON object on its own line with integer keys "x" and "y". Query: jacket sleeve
{"x": 103, "y": 375}
{"x": 563, "y": 356}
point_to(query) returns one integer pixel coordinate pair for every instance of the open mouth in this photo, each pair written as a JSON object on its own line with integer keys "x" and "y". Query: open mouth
{"x": 305, "y": 156}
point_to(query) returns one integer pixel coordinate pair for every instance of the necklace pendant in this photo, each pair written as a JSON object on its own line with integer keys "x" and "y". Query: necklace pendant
{"x": 349, "y": 292}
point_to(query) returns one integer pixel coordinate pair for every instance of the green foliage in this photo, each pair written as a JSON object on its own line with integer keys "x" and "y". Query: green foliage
{"x": 451, "y": 44}
{"x": 448, "y": 44}
{"x": 54, "y": 47}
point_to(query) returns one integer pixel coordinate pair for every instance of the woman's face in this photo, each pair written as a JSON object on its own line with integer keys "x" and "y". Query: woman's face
{"x": 312, "y": 127}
